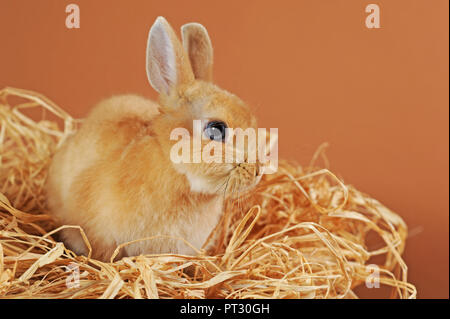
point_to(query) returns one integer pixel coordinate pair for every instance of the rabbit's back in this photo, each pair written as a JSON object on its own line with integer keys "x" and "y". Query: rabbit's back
{"x": 110, "y": 127}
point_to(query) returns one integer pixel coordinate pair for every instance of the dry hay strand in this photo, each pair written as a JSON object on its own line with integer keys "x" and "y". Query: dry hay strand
{"x": 303, "y": 233}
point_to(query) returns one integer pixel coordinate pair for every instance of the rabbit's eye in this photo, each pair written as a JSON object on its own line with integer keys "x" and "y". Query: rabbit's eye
{"x": 215, "y": 130}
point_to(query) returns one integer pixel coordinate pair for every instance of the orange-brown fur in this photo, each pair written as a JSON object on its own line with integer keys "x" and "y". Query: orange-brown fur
{"x": 115, "y": 179}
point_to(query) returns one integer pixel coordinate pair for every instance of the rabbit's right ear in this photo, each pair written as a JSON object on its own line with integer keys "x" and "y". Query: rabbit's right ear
{"x": 198, "y": 46}
{"x": 167, "y": 63}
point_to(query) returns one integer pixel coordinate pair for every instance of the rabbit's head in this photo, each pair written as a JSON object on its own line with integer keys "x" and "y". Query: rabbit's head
{"x": 196, "y": 115}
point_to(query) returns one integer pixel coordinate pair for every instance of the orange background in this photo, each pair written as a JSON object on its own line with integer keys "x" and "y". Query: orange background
{"x": 310, "y": 68}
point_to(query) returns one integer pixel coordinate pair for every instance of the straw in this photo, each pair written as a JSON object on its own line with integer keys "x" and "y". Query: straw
{"x": 302, "y": 233}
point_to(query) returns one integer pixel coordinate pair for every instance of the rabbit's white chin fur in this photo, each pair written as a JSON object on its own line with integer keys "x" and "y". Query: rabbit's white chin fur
{"x": 199, "y": 184}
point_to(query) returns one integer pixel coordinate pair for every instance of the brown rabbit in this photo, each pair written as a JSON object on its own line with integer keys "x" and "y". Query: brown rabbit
{"x": 115, "y": 177}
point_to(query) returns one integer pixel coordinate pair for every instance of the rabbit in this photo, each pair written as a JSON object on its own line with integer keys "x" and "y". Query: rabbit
{"x": 114, "y": 177}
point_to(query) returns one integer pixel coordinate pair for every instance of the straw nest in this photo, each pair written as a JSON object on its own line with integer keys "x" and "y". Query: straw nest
{"x": 302, "y": 234}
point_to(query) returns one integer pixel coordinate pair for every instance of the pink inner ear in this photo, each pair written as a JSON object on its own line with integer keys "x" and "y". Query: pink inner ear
{"x": 161, "y": 66}
{"x": 198, "y": 47}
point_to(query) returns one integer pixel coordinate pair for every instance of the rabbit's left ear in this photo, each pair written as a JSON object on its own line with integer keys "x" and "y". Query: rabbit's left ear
{"x": 198, "y": 46}
{"x": 167, "y": 63}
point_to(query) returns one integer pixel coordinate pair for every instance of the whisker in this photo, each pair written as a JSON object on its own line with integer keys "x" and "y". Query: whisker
{"x": 226, "y": 188}
{"x": 220, "y": 186}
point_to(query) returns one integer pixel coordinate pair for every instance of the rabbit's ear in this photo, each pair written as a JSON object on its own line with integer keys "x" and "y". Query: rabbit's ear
{"x": 197, "y": 44}
{"x": 167, "y": 63}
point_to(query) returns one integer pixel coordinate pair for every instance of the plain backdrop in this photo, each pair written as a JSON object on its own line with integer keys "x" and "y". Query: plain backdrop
{"x": 310, "y": 68}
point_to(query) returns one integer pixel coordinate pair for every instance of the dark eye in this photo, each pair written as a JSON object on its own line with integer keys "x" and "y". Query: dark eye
{"x": 215, "y": 130}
